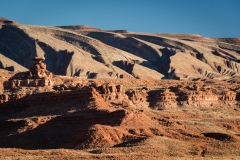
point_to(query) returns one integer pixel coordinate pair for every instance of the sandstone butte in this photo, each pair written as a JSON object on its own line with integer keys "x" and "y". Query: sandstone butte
{"x": 77, "y": 92}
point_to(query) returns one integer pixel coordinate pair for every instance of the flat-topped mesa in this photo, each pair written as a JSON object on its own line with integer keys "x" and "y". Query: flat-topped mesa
{"x": 37, "y": 76}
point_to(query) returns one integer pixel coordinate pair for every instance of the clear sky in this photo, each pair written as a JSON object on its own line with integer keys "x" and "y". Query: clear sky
{"x": 209, "y": 18}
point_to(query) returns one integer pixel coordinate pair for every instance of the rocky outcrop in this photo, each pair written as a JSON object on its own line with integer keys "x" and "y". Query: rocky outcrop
{"x": 138, "y": 97}
{"x": 192, "y": 95}
{"x": 37, "y": 76}
{"x": 173, "y": 99}
{"x": 164, "y": 99}
{"x": 229, "y": 96}
{"x": 11, "y": 97}
{"x": 111, "y": 113}
{"x": 113, "y": 93}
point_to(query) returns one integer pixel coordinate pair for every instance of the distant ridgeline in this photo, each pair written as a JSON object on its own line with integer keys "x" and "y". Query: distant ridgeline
{"x": 6, "y": 21}
{"x": 87, "y": 28}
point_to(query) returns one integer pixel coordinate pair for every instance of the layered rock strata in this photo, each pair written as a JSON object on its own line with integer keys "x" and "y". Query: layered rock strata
{"x": 37, "y": 76}
{"x": 163, "y": 96}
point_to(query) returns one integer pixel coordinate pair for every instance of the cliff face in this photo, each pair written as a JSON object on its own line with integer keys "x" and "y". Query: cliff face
{"x": 94, "y": 53}
{"x": 158, "y": 94}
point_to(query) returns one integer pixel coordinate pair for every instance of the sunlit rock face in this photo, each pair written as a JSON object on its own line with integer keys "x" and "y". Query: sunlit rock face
{"x": 37, "y": 76}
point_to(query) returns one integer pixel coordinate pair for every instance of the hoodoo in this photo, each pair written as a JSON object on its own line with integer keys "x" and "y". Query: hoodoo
{"x": 37, "y": 76}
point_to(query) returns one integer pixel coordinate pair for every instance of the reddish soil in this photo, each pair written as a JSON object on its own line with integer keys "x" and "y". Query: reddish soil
{"x": 121, "y": 119}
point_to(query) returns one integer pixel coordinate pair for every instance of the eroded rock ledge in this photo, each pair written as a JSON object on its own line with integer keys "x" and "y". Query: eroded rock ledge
{"x": 76, "y": 113}
{"x": 154, "y": 94}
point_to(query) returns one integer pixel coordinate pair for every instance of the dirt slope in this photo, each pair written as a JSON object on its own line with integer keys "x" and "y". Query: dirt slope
{"x": 94, "y": 53}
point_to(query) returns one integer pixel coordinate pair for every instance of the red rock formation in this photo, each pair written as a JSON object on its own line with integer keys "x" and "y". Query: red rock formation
{"x": 112, "y": 92}
{"x": 37, "y": 76}
{"x": 138, "y": 97}
{"x": 165, "y": 99}
{"x": 229, "y": 96}
{"x": 101, "y": 113}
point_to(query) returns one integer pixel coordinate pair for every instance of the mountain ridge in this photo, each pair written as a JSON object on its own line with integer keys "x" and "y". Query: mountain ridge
{"x": 90, "y": 52}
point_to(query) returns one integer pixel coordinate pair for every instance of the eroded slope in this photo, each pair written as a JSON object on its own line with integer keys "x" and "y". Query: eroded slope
{"x": 93, "y": 53}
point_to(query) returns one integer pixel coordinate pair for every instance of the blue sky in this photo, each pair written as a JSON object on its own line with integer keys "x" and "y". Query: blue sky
{"x": 209, "y": 18}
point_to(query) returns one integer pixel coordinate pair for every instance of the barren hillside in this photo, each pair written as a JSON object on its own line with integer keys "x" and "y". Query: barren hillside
{"x": 89, "y": 52}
